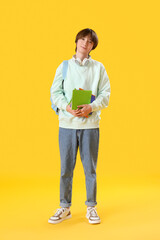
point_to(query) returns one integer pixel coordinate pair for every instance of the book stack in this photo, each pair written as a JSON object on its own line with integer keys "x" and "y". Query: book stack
{"x": 80, "y": 97}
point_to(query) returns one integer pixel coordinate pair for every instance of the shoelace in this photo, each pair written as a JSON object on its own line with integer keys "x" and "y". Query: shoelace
{"x": 93, "y": 212}
{"x": 59, "y": 210}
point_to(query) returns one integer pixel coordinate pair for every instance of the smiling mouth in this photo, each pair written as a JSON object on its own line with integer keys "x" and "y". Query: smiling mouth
{"x": 84, "y": 47}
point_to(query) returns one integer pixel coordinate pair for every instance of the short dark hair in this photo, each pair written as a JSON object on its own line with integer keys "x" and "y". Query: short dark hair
{"x": 85, "y": 32}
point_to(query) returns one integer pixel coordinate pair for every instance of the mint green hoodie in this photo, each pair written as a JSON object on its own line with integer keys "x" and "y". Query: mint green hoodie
{"x": 89, "y": 76}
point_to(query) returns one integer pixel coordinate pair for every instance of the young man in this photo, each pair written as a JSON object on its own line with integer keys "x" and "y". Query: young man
{"x": 75, "y": 130}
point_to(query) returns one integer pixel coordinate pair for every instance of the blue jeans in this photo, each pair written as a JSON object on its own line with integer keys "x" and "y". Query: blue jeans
{"x": 88, "y": 142}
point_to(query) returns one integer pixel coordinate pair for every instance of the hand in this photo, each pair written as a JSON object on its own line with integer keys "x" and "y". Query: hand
{"x": 73, "y": 112}
{"x": 84, "y": 111}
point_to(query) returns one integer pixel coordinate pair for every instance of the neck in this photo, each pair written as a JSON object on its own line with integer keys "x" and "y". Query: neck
{"x": 81, "y": 55}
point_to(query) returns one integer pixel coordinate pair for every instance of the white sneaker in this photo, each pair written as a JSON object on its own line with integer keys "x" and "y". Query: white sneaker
{"x": 60, "y": 215}
{"x": 92, "y": 215}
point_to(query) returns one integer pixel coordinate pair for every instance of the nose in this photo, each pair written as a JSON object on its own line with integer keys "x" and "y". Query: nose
{"x": 85, "y": 42}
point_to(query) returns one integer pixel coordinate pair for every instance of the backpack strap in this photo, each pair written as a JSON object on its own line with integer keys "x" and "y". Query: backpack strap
{"x": 65, "y": 66}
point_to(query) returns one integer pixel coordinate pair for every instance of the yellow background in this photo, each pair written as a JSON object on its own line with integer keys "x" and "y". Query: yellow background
{"x": 36, "y": 36}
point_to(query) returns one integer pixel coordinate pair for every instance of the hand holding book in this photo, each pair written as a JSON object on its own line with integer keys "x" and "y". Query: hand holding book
{"x": 85, "y": 109}
{"x": 73, "y": 112}
{"x": 81, "y": 111}
{"x": 80, "y": 101}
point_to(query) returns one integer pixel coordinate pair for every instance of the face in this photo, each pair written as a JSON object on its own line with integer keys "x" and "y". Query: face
{"x": 84, "y": 45}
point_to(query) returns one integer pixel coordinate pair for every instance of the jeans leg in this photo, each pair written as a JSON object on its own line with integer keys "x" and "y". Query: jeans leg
{"x": 88, "y": 146}
{"x": 68, "y": 152}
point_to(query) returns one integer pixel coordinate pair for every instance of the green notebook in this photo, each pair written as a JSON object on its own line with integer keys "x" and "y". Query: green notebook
{"x": 80, "y": 98}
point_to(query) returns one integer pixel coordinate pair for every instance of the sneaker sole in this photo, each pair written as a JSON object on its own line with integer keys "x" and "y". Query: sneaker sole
{"x": 94, "y": 222}
{"x": 60, "y": 220}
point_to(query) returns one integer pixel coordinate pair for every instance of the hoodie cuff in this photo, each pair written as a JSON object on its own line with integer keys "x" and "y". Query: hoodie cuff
{"x": 92, "y": 106}
{"x": 65, "y": 106}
